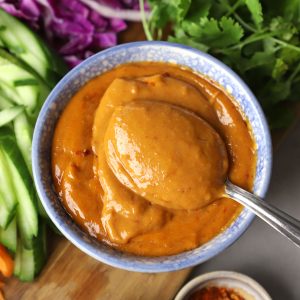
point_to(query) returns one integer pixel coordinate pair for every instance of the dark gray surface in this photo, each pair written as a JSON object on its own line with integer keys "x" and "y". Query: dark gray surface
{"x": 261, "y": 252}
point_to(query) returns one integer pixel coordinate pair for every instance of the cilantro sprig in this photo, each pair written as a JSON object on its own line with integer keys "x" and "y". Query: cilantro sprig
{"x": 260, "y": 40}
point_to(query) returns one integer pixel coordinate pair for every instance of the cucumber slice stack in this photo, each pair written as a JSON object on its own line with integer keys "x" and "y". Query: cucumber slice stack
{"x": 28, "y": 72}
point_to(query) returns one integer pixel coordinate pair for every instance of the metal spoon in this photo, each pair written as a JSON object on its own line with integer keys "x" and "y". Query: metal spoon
{"x": 282, "y": 222}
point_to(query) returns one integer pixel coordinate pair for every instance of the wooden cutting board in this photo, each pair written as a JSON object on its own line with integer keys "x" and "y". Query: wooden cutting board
{"x": 70, "y": 274}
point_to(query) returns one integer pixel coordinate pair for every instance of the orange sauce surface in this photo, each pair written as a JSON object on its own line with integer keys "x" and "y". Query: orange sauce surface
{"x": 109, "y": 192}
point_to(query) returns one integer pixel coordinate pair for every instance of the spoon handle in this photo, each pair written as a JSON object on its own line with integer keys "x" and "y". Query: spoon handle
{"x": 282, "y": 222}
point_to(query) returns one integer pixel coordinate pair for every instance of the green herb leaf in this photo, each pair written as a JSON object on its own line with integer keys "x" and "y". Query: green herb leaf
{"x": 283, "y": 29}
{"x": 291, "y": 10}
{"x": 198, "y": 10}
{"x": 257, "y": 60}
{"x": 182, "y": 7}
{"x": 255, "y": 9}
{"x": 161, "y": 15}
{"x": 279, "y": 69}
{"x": 182, "y": 38}
{"x": 215, "y": 34}
{"x": 290, "y": 56}
{"x": 258, "y": 39}
{"x": 219, "y": 9}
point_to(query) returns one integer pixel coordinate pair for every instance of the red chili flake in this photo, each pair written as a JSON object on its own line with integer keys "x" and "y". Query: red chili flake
{"x": 215, "y": 293}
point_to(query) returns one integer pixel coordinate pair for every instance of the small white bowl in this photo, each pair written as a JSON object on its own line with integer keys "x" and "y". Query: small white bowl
{"x": 242, "y": 284}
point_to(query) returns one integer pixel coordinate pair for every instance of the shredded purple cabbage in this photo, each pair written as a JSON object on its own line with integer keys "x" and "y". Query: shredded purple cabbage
{"x": 71, "y": 27}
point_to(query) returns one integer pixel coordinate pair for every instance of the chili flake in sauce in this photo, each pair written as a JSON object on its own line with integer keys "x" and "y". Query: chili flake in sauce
{"x": 215, "y": 293}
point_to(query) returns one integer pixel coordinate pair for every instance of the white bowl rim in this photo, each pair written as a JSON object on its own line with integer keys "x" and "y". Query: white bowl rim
{"x": 235, "y": 276}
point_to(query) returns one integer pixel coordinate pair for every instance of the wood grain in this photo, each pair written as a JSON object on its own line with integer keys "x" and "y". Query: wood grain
{"x": 72, "y": 275}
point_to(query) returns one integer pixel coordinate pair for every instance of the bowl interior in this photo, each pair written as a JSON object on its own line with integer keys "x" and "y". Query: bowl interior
{"x": 102, "y": 62}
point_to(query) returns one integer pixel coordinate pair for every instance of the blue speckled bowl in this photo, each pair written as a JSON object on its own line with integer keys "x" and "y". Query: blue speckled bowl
{"x": 106, "y": 60}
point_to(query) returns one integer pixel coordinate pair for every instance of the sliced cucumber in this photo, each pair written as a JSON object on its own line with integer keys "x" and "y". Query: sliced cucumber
{"x": 4, "y": 103}
{"x": 40, "y": 248}
{"x": 43, "y": 214}
{"x": 8, "y": 236}
{"x": 6, "y": 56}
{"x": 26, "y": 211}
{"x": 42, "y": 96}
{"x": 26, "y": 272}
{"x": 23, "y": 132}
{"x": 23, "y": 42}
{"x": 27, "y": 219}
{"x": 6, "y": 190}
{"x": 41, "y": 210}
{"x": 28, "y": 47}
{"x": 58, "y": 67}
{"x": 29, "y": 262}
{"x": 8, "y": 114}
{"x": 22, "y": 87}
{"x": 28, "y": 95}
{"x": 8, "y": 92}
{"x": 18, "y": 256}
{"x": 4, "y": 214}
